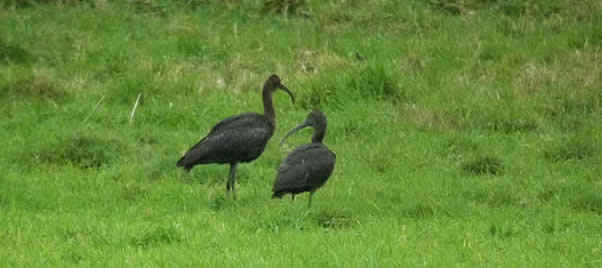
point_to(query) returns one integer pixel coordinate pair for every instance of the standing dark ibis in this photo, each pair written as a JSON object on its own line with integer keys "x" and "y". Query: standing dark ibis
{"x": 239, "y": 138}
{"x": 308, "y": 167}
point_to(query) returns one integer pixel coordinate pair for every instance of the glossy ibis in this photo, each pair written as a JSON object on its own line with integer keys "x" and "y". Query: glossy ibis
{"x": 308, "y": 166}
{"x": 239, "y": 138}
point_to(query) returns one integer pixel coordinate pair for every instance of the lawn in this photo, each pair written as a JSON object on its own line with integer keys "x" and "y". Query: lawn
{"x": 467, "y": 132}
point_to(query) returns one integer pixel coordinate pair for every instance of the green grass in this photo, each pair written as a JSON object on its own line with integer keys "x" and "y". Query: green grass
{"x": 468, "y": 136}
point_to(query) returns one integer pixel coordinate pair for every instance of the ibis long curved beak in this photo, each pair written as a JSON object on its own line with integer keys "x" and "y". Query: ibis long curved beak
{"x": 281, "y": 86}
{"x": 290, "y": 132}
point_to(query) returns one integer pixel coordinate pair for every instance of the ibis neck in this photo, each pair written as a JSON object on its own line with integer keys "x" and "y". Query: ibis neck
{"x": 318, "y": 135}
{"x": 268, "y": 106}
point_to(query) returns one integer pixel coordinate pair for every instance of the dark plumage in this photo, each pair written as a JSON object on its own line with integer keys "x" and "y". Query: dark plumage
{"x": 239, "y": 138}
{"x": 308, "y": 167}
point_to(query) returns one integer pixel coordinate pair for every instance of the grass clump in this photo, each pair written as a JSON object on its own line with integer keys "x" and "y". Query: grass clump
{"x": 548, "y": 195}
{"x": 378, "y": 162}
{"x": 511, "y": 8}
{"x": 492, "y": 195}
{"x": 148, "y": 7}
{"x": 461, "y": 7}
{"x": 554, "y": 226}
{"x": 484, "y": 165}
{"x": 34, "y": 3}
{"x": 283, "y": 7}
{"x": 454, "y": 7}
{"x": 501, "y": 231}
{"x": 162, "y": 8}
{"x": 133, "y": 192}
{"x": 284, "y": 222}
{"x": 516, "y": 125}
{"x": 457, "y": 147}
{"x": 366, "y": 82}
{"x": 333, "y": 219}
{"x": 375, "y": 81}
{"x": 507, "y": 120}
{"x": 582, "y": 102}
{"x": 155, "y": 237}
{"x": 38, "y": 85}
{"x": 82, "y": 150}
{"x": 589, "y": 203}
{"x": 320, "y": 92}
{"x": 419, "y": 211}
{"x": 572, "y": 149}
{"x": 13, "y": 53}
{"x": 588, "y": 200}
{"x": 216, "y": 203}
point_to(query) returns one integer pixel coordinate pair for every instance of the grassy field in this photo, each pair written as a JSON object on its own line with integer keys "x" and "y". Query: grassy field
{"x": 467, "y": 132}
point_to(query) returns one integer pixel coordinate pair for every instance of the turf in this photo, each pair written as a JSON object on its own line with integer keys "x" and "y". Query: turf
{"x": 467, "y": 133}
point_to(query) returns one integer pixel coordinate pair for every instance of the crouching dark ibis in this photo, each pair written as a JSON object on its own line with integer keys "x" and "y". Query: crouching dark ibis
{"x": 308, "y": 166}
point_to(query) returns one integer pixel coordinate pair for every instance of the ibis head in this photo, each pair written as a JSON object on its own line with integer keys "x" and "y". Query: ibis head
{"x": 315, "y": 119}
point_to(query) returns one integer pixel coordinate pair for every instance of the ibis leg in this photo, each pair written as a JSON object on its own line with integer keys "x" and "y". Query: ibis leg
{"x": 310, "y": 195}
{"x": 230, "y": 183}
{"x": 292, "y": 197}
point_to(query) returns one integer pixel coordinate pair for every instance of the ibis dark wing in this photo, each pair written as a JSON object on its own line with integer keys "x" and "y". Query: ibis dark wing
{"x": 304, "y": 169}
{"x": 236, "y": 121}
{"x": 237, "y": 138}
